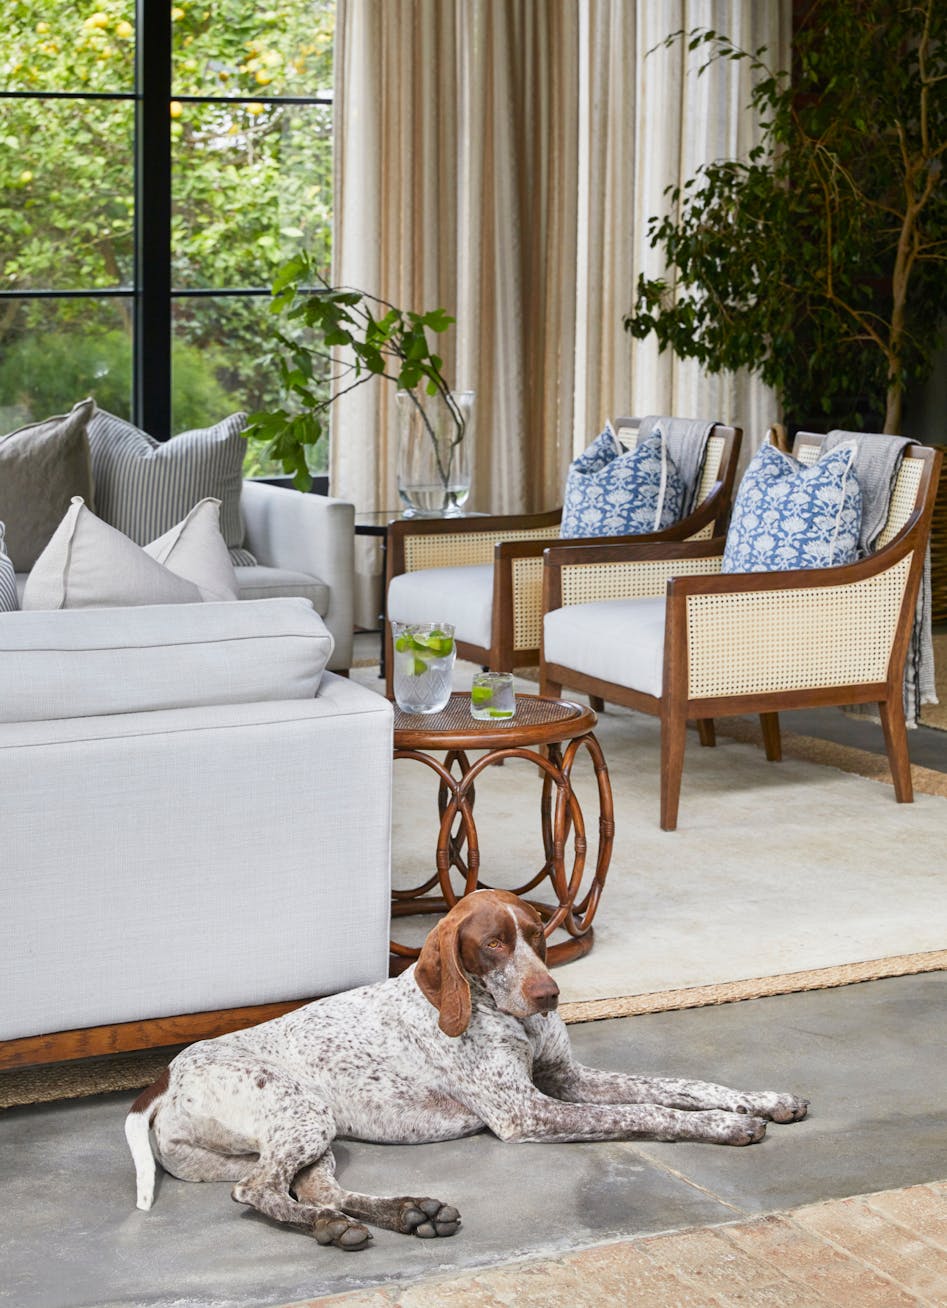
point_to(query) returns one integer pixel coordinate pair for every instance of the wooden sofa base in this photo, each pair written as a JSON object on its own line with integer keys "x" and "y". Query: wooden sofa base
{"x": 125, "y": 1037}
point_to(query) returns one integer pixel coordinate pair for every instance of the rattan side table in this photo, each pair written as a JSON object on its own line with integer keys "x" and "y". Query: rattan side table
{"x": 538, "y": 733}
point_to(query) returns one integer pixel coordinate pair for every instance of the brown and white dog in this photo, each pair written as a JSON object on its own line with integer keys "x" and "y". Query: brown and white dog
{"x": 465, "y": 1039}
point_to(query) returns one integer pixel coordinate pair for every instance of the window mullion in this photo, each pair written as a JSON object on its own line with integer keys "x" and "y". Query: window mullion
{"x": 152, "y": 350}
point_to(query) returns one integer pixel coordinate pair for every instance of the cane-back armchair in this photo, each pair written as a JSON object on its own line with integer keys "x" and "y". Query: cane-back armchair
{"x": 484, "y": 573}
{"x": 660, "y": 629}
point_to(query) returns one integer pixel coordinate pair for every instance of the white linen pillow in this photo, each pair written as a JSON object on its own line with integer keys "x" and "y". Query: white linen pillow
{"x": 89, "y": 564}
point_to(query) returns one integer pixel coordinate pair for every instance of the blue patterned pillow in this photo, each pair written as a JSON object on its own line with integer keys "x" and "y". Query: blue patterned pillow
{"x": 612, "y": 491}
{"x": 788, "y": 515}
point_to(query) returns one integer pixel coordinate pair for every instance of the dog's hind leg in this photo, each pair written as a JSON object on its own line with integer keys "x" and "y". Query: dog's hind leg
{"x": 300, "y": 1141}
{"x": 409, "y": 1215}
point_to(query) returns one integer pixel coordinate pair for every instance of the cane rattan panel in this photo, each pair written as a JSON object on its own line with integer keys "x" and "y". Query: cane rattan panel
{"x": 460, "y": 549}
{"x": 583, "y": 583}
{"x": 713, "y": 453}
{"x": 756, "y": 642}
{"x": 903, "y": 499}
{"x": 527, "y": 603}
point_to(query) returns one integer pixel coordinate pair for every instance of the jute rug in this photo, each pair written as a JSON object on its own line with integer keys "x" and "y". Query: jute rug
{"x": 782, "y": 877}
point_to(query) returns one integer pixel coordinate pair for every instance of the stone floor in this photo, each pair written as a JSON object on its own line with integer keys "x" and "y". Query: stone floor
{"x": 886, "y": 1250}
{"x": 870, "y": 1057}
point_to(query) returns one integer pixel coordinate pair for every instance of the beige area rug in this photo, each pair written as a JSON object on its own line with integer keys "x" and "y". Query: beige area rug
{"x": 787, "y": 876}
{"x": 782, "y": 877}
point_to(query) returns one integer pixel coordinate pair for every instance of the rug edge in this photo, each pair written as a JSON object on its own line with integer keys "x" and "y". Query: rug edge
{"x": 729, "y": 992}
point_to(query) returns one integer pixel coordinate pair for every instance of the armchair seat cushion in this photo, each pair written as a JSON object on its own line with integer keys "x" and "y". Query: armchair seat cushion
{"x": 460, "y": 596}
{"x": 620, "y": 641}
{"x": 261, "y": 582}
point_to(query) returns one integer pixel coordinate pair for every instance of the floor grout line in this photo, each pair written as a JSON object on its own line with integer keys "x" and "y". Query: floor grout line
{"x": 631, "y": 1147}
{"x": 857, "y": 1258}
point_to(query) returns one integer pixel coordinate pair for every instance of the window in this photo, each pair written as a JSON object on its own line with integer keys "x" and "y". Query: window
{"x": 157, "y": 163}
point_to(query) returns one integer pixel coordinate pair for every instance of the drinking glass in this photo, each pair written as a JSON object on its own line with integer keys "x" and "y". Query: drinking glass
{"x": 424, "y": 655}
{"x": 491, "y": 696}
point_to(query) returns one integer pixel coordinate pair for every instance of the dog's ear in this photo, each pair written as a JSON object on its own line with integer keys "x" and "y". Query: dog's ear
{"x": 441, "y": 978}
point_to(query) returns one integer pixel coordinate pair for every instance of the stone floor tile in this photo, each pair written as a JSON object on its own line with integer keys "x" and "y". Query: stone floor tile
{"x": 829, "y": 1276}
{"x": 708, "y": 1260}
{"x": 853, "y": 1226}
{"x": 921, "y": 1208}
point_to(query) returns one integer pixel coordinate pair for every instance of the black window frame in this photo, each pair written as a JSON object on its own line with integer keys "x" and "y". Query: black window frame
{"x": 152, "y": 292}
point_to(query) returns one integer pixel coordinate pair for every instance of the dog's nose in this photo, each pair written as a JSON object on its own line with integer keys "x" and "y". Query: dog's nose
{"x": 542, "y": 992}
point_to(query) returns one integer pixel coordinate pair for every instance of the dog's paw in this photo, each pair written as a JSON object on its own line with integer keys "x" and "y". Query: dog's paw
{"x": 722, "y": 1127}
{"x": 774, "y": 1107}
{"x": 335, "y": 1228}
{"x": 428, "y": 1218}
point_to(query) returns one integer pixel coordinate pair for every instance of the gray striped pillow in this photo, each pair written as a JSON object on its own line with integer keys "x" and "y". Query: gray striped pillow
{"x": 8, "y": 597}
{"x": 143, "y": 486}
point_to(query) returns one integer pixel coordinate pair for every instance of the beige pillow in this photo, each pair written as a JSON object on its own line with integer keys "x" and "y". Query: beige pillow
{"x": 42, "y": 467}
{"x": 89, "y": 564}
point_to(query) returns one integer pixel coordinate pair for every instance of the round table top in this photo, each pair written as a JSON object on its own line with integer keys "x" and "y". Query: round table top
{"x": 537, "y": 721}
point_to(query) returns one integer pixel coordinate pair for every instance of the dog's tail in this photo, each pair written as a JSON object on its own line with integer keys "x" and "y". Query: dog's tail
{"x": 137, "y": 1125}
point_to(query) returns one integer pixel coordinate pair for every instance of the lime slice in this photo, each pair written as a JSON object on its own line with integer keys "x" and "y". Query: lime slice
{"x": 403, "y": 643}
{"x": 501, "y": 713}
{"x": 419, "y": 668}
{"x": 481, "y": 695}
{"x": 442, "y": 647}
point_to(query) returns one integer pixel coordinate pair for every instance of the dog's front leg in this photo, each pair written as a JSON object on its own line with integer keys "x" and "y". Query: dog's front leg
{"x": 530, "y": 1115}
{"x": 556, "y": 1073}
{"x": 578, "y": 1084}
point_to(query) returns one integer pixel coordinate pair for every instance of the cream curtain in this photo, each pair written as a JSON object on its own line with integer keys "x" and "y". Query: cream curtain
{"x": 500, "y": 158}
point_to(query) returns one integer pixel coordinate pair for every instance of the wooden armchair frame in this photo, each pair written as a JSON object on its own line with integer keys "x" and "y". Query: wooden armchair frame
{"x": 515, "y": 544}
{"x": 828, "y": 636}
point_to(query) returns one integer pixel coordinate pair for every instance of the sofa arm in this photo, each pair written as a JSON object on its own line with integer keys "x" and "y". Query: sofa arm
{"x": 307, "y": 533}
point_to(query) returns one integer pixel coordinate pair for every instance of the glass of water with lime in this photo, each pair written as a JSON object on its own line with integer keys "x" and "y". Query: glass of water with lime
{"x": 491, "y": 696}
{"x": 423, "y": 665}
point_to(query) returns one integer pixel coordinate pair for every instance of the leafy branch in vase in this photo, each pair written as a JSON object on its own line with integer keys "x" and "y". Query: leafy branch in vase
{"x": 381, "y": 340}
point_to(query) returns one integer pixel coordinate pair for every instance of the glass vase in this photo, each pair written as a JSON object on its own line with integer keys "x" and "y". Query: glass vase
{"x": 435, "y": 439}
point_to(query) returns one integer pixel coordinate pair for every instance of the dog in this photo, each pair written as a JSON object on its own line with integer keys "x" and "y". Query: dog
{"x": 467, "y": 1038}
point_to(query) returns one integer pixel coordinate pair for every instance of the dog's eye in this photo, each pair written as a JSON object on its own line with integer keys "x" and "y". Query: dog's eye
{"x": 495, "y": 943}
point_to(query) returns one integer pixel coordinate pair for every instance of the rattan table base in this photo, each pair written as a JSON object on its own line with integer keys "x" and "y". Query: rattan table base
{"x": 549, "y": 734}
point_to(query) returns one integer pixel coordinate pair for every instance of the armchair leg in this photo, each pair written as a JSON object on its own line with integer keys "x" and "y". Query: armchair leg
{"x": 896, "y": 743}
{"x": 706, "y": 732}
{"x": 772, "y": 742}
{"x": 673, "y": 739}
{"x": 596, "y": 704}
{"x": 548, "y": 688}
{"x": 389, "y": 662}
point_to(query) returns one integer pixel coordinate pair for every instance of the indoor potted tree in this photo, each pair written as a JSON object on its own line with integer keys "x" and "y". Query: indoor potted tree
{"x": 820, "y": 261}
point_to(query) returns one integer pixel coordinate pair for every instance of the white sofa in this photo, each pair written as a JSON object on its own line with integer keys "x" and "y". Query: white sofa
{"x": 195, "y": 819}
{"x": 304, "y": 545}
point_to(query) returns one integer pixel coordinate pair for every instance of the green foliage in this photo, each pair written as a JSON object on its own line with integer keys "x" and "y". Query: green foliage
{"x": 252, "y": 183}
{"x": 65, "y": 368}
{"x": 820, "y": 261}
{"x": 378, "y": 339}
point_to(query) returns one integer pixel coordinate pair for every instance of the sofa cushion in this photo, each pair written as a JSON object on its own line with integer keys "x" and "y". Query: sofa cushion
{"x": 88, "y": 662}
{"x": 611, "y": 491}
{"x": 255, "y": 581}
{"x": 143, "y": 486}
{"x": 89, "y": 564}
{"x": 461, "y": 596}
{"x": 791, "y": 515}
{"x": 9, "y": 596}
{"x": 42, "y": 467}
